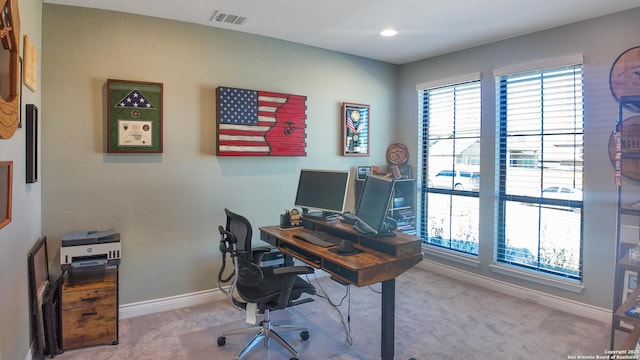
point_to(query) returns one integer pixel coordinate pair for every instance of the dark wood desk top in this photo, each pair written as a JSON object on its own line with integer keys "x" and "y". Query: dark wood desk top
{"x": 366, "y": 268}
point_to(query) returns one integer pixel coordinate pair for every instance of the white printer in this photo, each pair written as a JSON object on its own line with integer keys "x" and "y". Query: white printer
{"x": 90, "y": 250}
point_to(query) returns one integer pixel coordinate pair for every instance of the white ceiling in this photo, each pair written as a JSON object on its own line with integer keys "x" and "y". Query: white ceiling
{"x": 425, "y": 28}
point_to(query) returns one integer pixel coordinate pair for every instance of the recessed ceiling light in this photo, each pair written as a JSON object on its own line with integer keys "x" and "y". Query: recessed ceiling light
{"x": 388, "y": 32}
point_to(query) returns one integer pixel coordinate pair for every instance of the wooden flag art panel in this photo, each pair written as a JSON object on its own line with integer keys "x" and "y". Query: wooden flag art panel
{"x": 260, "y": 123}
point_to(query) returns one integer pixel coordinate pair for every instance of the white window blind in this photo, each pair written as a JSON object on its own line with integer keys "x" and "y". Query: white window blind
{"x": 540, "y": 159}
{"x": 450, "y": 173}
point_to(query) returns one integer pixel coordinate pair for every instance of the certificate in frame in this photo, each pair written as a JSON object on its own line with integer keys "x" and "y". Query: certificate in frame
{"x": 134, "y": 116}
{"x": 355, "y": 129}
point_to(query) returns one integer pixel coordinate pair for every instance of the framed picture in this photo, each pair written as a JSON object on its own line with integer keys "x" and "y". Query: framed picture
{"x": 32, "y": 143}
{"x": 355, "y": 129}
{"x": 134, "y": 116}
{"x": 405, "y": 171}
{"x": 29, "y": 76}
{"x": 363, "y": 171}
{"x": 6, "y": 181}
{"x": 630, "y": 284}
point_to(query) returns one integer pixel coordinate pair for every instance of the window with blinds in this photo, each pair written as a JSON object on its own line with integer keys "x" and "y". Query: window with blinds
{"x": 450, "y": 174}
{"x": 540, "y": 161}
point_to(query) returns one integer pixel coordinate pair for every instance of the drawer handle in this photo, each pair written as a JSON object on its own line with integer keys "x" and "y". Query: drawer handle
{"x": 89, "y": 313}
{"x": 91, "y": 299}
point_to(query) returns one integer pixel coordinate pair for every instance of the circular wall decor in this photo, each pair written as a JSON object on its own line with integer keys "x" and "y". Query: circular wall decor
{"x": 624, "y": 78}
{"x": 630, "y": 162}
{"x": 397, "y": 154}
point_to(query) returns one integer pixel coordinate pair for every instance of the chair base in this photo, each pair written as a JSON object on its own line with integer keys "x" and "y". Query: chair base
{"x": 264, "y": 332}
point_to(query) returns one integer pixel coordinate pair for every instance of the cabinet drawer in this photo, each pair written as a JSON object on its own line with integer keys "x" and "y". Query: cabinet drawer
{"x": 88, "y": 298}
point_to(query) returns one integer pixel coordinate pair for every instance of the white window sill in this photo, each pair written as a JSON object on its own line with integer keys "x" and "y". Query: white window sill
{"x": 461, "y": 258}
{"x": 549, "y": 280}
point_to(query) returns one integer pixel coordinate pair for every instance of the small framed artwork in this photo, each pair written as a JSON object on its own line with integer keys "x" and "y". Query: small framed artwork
{"x": 363, "y": 171}
{"x": 32, "y": 143}
{"x": 30, "y": 75}
{"x": 355, "y": 129}
{"x": 134, "y": 116}
{"x": 405, "y": 171}
{"x": 630, "y": 284}
{"x": 6, "y": 182}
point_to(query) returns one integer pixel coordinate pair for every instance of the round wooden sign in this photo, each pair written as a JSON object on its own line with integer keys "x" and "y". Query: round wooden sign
{"x": 630, "y": 142}
{"x": 624, "y": 78}
{"x": 397, "y": 154}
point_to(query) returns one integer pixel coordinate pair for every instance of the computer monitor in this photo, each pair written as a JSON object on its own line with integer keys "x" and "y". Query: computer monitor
{"x": 322, "y": 193}
{"x": 371, "y": 212}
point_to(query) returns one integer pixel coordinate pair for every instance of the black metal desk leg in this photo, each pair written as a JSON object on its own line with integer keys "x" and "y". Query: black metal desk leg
{"x": 388, "y": 319}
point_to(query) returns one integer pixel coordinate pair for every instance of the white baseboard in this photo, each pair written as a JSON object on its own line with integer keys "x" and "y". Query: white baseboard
{"x": 521, "y": 292}
{"x": 169, "y": 303}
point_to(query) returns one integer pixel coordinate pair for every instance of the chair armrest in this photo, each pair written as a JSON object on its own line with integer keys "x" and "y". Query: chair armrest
{"x": 293, "y": 270}
{"x": 258, "y": 252}
{"x": 289, "y": 274}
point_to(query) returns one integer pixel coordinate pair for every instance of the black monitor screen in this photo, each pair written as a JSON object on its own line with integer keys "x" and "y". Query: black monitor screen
{"x": 322, "y": 190}
{"x": 373, "y": 206}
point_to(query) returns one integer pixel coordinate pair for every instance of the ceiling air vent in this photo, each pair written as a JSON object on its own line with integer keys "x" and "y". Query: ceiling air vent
{"x": 219, "y": 16}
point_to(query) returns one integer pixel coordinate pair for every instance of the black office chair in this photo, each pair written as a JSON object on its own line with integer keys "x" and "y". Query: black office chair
{"x": 270, "y": 288}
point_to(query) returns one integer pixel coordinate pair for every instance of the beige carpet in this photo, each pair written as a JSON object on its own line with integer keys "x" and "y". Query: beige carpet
{"x": 436, "y": 318}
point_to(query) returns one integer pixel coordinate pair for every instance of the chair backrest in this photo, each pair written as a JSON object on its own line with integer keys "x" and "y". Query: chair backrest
{"x": 247, "y": 266}
{"x": 241, "y": 228}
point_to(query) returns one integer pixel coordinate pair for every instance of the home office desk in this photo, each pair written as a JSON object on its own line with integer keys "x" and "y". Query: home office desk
{"x": 382, "y": 260}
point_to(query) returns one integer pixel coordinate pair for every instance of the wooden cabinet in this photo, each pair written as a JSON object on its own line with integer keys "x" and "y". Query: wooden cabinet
{"x": 90, "y": 309}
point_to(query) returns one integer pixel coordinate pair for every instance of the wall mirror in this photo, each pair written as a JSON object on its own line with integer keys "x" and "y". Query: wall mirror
{"x": 355, "y": 129}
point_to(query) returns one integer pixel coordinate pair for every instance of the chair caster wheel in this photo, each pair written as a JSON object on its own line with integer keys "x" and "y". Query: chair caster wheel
{"x": 222, "y": 341}
{"x": 304, "y": 335}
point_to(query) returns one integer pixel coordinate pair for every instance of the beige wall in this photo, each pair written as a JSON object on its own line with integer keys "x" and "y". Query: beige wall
{"x": 17, "y": 238}
{"x": 167, "y": 207}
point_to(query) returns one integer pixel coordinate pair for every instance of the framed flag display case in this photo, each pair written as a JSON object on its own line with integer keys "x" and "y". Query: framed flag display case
{"x": 355, "y": 129}
{"x": 134, "y": 116}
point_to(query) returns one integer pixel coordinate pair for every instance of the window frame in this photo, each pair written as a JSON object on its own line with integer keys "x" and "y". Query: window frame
{"x": 467, "y": 257}
{"x": 503, "y": 162}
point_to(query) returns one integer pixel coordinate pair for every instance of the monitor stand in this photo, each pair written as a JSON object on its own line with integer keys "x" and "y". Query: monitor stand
{"x": 320, "y": 215}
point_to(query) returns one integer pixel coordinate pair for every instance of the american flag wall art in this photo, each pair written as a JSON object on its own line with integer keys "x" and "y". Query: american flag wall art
{"x": 260, "y": 123}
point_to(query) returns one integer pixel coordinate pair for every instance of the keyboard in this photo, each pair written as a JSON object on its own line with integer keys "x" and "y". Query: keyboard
{"x": 318, "y": 238}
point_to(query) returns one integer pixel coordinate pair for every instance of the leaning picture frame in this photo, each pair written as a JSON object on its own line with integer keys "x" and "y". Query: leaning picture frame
{"x": 6, "y": 182}
{"x": 134, "y": 116}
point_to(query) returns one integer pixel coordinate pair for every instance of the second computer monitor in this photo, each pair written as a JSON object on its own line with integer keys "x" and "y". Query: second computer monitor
{"x": 322, "y": 193}
{"x": 371, "y": 212}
